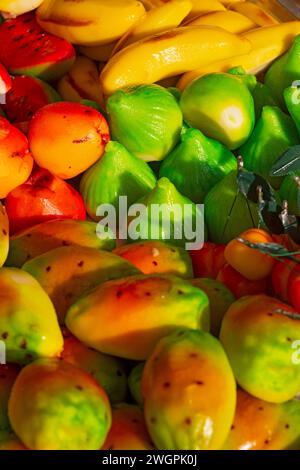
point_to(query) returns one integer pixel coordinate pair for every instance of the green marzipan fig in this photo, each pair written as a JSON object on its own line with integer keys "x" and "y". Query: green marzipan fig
{"x": 274, "y": 132}
{"x": 283, "y": 72}
{"x": 146, "y": 119}
{"x": 290, "y": 192}
{"x": 117, "y": 173}
{"x": 221, "y": 106}
{"x": 197, "y": 164}
{"x": 227, "y": 211}
{"x": 181, "y": 221}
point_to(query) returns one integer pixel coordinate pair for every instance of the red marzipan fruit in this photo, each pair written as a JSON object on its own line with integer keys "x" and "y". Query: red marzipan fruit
{"x": 238, "y": 284}
{"x": 43, "y": 197}
{"x": 281, "y": 278}
{"x": 208, "y": 261}
{"x": 5, "y": 80}
{"x": 26, "y": 49}
{"x": 26, "y": 96}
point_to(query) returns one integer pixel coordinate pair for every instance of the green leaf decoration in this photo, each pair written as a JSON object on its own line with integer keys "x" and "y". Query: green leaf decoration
{"x": 288, "y": 162}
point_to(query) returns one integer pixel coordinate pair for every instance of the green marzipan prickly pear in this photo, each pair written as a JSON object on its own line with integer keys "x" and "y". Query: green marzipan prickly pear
{"x": 128, "y": 430}
{"x": 67, "y": 272}
{"x": 274, "y": 133}
{"x": 258, "y": 334}
{"x": 189, "y": 392}
{"x": 146, "y": 119}
{"x": 28, "y": 323}
{"x": 220, "y": 299}
{"x": 107, "y": 370}
{"x": 8, "y": 374}
{"x": 127, "y": 317}
{"x": 44, "y": 237}
{"x": 116, "y": 174}
{"x": 155, "y": 257}
{"x": 259, "y": 425}
{"x": 197, "y": 164}
{"x": 227, "y": 211}
{"x": 135, "y": 383}
{"x": 56, "y": 406}
{"x": 4, "y": 235}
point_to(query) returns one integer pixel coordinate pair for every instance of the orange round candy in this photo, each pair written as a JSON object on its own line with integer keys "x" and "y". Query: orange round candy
{"x": 15, "y": 159}
{"x": 67, "y": 138}
{"x": 251, "y": 263}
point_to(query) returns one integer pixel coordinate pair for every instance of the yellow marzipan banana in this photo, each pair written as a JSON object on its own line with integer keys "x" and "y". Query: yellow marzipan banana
{"x": 163, "y": 18}
{"x": 229, "y": 2}
{"x": 18, "y": 7}
{"x": 255, "y": 13}
{"x": 99, "y": 53}
{"x": 268, "y": 43}
{"x": 89, "y": 22}
{"x": 229, "y": 20}
{"x": 202, "y": 7}
{"x": 149, "y": 4}
{"x": 169, "y": 54}
{"x": 81, "y": 82}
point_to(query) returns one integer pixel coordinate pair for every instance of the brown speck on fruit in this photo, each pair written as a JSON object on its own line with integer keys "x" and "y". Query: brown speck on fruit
{"x": 4, "y": 232}
{"x": 232, "y": 427}
{"x": 193, "y": 355}
{"x": 289, "y": 340}
{"x": 153, "y": 420}
{"x": 188, "y": 421}
{"x": 270, "y": 314}
{"x": 267, "y": 441}
{"x": 81, "y": 141}
{"x": 167, "y": 385}
{"x": 48, "y": 269}
{"x": 199, "y": 382}
{"x": 69, "y": 295}
{"x": 80, "y": 264}
{"x": 4, "y": 335}
{"x": 260, "y": 408}
{"x": 155, "y": 263}
{"x": 173, "y": 250}
{"x": 23, "y": 344}
{"x": 180, "y": 292}
{"x": 287, "y": 426}
{"x": 64, "y": 243}
{"x": 148, "y": 294}
{"x": 79, "y": 387}
{"x": 119, "y": 294}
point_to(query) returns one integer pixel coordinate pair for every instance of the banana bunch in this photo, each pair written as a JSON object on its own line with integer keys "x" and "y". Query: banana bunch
{"x": 12, "y": 8}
